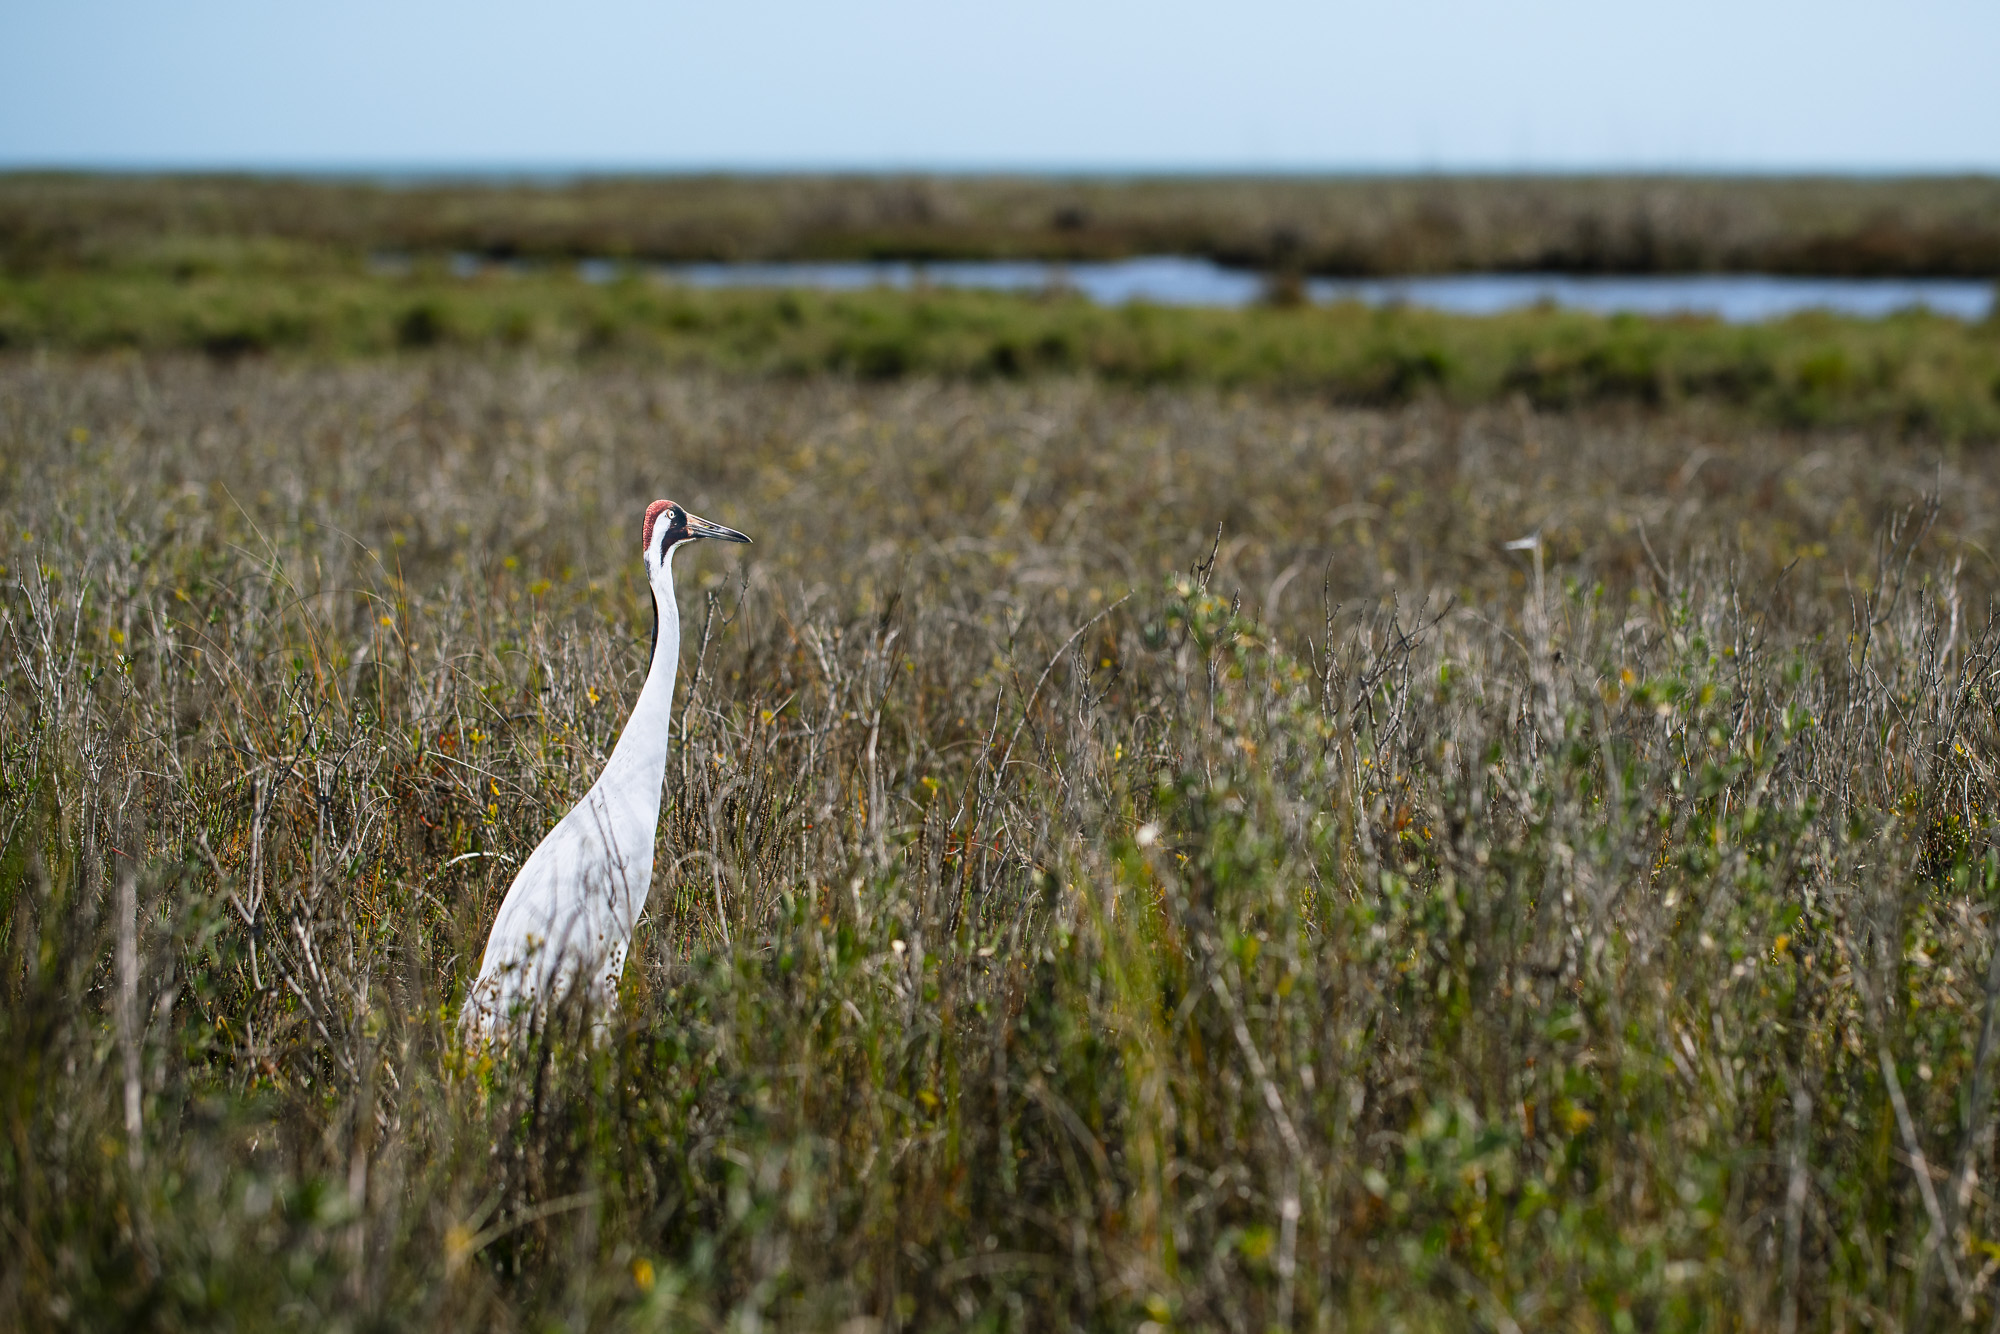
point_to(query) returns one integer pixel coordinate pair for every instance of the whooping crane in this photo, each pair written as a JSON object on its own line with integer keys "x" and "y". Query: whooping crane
{"x": 567, "y": 920}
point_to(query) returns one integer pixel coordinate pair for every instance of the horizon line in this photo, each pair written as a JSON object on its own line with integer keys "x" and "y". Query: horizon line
{"x": 549, "y": 172}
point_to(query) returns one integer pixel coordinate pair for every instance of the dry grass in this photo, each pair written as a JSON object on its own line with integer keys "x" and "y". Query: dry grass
{"x": 1055, "y": 926}
{"x": 1370, "y": 224}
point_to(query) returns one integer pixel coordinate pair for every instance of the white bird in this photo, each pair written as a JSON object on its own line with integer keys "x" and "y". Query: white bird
{"x": 566, "y": 922}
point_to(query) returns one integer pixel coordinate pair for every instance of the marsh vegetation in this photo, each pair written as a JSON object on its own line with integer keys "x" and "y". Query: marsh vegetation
{"x": 1305, "y": 224}
{"x": 249, "y": 267}
{"x": 1133, "y": 855}
{"x": 1912, "y": 375}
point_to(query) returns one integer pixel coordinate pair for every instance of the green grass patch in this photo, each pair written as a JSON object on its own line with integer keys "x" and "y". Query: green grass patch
{"x": 1913, "y": 372}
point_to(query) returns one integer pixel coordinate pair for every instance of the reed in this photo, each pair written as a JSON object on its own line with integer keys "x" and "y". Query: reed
{"x": 1134, "y": 857}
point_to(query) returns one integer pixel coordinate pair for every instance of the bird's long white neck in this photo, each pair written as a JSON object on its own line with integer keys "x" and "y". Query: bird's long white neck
{"x": 639, "y": 760}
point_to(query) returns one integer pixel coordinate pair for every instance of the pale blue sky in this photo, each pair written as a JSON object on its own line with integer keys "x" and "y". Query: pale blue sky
{"x": 1058, "y": 84}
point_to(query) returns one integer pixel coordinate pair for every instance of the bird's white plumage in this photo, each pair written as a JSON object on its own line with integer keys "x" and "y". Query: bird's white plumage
{"x": 566, "y": 923}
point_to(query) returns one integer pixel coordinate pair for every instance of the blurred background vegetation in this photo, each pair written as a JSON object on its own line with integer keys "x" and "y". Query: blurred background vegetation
{"x": 243, "y": 266}
{"x": 1926, "y": 225}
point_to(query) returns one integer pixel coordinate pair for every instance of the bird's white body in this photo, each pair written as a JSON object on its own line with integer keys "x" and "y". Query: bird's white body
{"x": 566, "y": 924}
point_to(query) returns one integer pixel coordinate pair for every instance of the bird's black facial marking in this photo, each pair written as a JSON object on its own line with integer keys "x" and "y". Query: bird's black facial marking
{"x": 673, "y": 530}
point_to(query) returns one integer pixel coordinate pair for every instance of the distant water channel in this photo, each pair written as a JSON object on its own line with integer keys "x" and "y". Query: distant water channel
{"x": 1173, "y": 281}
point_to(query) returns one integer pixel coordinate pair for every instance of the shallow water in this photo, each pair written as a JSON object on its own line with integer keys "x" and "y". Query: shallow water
{"x": 1739, "y": 298}
{"x": 1175, "y": 281}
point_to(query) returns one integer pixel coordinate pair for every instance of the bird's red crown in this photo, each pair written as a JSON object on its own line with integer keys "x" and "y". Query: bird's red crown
{"x": 653, "y": 511}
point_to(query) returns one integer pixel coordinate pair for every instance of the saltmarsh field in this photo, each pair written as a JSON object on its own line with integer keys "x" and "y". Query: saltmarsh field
{"x": 1173, "y": 857}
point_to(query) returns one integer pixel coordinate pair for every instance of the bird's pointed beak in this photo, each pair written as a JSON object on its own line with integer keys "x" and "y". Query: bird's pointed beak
{"x": 703, "y": 528}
